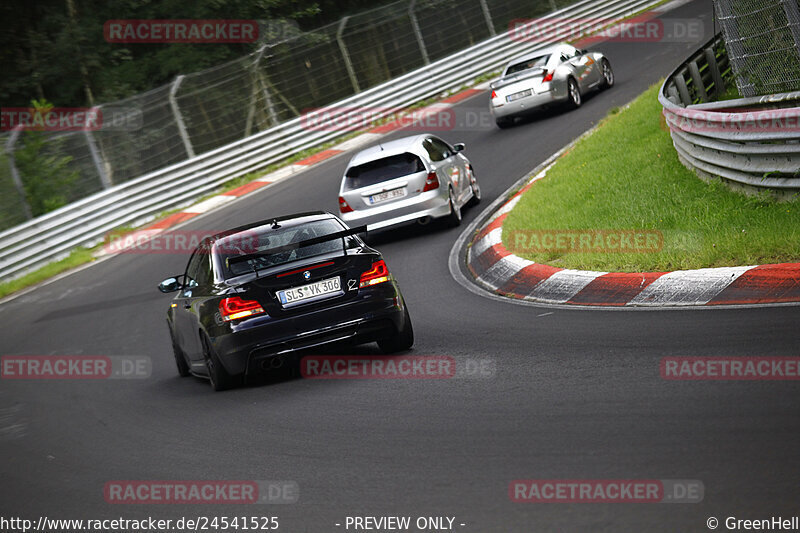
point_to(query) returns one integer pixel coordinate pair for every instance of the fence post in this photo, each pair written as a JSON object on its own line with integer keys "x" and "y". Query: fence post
{"x": 26, "y": 208}
{"x": 267, "y": 98}
{"x": 96, "y": 158}
{"x": 488, "y": 16}
{"x": 255, "y": 78}
{"x": 719, "y": 83}
{"x": 697, "y": 81}
{"x": 418, "y": 33}
{"x": 173, "y": 103}
{"x": 347, "y": 63}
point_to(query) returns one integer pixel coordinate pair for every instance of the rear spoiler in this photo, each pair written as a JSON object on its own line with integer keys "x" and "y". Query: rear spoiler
{"x": 519, "y": 76}
{"x": 299, "y": 244}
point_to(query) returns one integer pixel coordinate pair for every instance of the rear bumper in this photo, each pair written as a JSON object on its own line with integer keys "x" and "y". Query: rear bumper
{"x": 377, "y": 313}
{"x": 433, "y": 204}
{"x": 525, "y": 105}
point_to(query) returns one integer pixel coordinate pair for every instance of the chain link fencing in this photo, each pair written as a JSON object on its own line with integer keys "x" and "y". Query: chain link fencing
{"x": 205, "y": 110}
{"x": 763, "y": 42}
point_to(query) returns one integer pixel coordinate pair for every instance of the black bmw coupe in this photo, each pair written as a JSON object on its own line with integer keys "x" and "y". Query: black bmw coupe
{"x": 254, "y": 295}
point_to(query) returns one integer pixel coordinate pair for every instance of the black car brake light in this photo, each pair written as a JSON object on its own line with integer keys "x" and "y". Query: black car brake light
{"x": 379, "y": 273}
{"x": 234, "y": 308}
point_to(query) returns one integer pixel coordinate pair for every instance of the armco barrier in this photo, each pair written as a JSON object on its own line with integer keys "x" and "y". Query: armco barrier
{"x": 747, "y": 142}
{"x": 84, "y": 222}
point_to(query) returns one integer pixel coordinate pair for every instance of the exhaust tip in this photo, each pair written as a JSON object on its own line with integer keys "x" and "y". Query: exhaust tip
{"x": 271, "y": 363}
{"x": 424, "y": 221}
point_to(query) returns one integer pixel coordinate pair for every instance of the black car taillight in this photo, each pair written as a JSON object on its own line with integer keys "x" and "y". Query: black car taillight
{"x": 235, "y": 308}
{"x": 379, "y": 273}
{"x": 431, "y": 182}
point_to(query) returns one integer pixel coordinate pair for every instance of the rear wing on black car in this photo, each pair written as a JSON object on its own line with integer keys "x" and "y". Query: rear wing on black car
{"x": 299, "y": 244}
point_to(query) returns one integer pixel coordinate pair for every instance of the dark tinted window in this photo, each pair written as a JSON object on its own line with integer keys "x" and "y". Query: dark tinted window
{"x": 273, "y": 238}
{"x": 380, "y": 170}
{"x": 437, "y": 149}
{"x": 199, "y": 272}
{"x": 192, "y": 270}
{"x": 536, "y": 62}
{"x": 205, "y": 276}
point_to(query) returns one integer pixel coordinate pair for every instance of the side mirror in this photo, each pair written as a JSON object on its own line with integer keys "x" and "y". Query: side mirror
{"x": 169, "y": 285}
{"x": 458, "y": 147}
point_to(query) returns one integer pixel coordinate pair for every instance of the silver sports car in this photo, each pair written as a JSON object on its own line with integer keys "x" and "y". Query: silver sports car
{"x": 413, "y": 179}
{"x": 553, "y": 75}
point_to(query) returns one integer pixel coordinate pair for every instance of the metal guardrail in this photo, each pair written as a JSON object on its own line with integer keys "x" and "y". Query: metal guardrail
{"x": 750, "y": 142}
{"x": 86, "y": 221}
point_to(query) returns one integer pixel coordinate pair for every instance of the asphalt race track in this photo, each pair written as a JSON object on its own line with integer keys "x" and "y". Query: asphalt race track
{"x": 575, "y": 394}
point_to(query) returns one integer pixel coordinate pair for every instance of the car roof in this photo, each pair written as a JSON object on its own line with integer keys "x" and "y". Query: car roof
{"x": 556, "y": 48}
{"x": 389, "y": 148}
{"x": 286, "y": 221}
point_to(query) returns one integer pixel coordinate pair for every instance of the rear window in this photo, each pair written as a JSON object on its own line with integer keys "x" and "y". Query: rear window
{"x": 380, "y": 170}
{"x": 272, "y": 239}
{"x": 536, "y": 62}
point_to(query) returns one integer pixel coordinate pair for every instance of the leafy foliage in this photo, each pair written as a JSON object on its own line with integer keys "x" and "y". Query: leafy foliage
{"x": 55, "y": 49}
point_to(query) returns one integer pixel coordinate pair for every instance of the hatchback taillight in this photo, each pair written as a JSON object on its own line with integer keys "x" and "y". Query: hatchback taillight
{"x": 344, "y": 207}
{"x": 494, "y": 95}
{"x": 235, "y": 308}
{"x": 548, "y": 76}
{"x": 377, "y": 274}
{"x": 431, "y": 182}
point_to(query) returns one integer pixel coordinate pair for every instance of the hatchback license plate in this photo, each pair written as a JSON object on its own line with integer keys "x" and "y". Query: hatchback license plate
{"x": 311, "y": 291}
{"x": 386, "y": 195}
{"x": 517, "y": 96}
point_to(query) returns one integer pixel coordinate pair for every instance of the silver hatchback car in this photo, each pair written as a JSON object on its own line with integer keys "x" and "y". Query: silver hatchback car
{"x": 413, "y": 179}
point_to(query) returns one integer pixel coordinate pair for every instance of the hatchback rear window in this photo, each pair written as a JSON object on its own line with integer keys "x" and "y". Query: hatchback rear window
{"x": 380, "y": 170}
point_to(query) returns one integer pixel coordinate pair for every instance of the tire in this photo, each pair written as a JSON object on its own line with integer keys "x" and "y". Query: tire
{"x": 402, "y": 340}
{"x": 608, "y": 74}
{"x": 454, "y": 218}
{"x": 476, "y": 190}
{"x": 180, "y": 361}
{"x": 504, "y": 123}
{"x": 217, "y": 375}
{"x": 574, "y": 93}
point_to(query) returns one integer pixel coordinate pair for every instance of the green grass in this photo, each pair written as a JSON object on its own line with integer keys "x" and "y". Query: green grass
{"x": 731, "y": 92}
{"x": 626, "y": 175}
{"x": 76, "y": 258}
